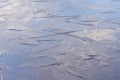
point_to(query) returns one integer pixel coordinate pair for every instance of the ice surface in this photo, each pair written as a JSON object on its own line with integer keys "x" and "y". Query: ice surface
{"x": 59, "y": 40}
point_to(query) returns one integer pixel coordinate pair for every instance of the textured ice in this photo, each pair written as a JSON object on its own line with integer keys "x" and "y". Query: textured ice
{"x": 59, "y": 39}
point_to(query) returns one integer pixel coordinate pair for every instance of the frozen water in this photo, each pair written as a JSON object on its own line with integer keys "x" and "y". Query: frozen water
{"x": 59, "y": 39}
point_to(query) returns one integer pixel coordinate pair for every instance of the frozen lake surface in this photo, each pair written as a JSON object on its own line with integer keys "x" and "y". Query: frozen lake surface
{"x": 59, "y": 39}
